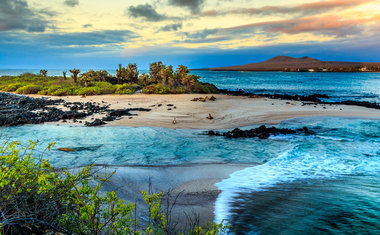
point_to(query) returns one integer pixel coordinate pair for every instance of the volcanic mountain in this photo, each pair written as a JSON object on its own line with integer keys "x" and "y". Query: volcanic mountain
{"x": 281, "y": 63}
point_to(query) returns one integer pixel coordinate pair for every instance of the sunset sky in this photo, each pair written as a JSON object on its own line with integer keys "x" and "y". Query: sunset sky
{"x": 198, "y": 33}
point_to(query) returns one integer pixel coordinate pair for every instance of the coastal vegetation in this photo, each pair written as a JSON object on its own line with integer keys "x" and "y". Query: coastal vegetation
{"x": 37, "y": 198}
{"x": 161, "y": 79}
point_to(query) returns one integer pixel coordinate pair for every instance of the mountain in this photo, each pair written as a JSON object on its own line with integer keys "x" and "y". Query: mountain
{"x": 288, "y": 63}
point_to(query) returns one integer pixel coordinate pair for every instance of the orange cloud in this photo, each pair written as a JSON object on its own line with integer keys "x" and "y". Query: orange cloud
{"x": 328, "y": 25}
{"x": 303, "y": 9}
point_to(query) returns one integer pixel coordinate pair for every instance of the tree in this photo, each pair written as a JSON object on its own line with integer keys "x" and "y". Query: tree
{"x": 64, "y": 75}
{"x": 189, "y": 80}
{"x": 43, "y": 73}
{"x": 128, "y": 74}
{"x": 86, "y": 77}
{"x": 166, "y": 74}
{"x": 132, "y": 73}
{"x": 144, "y": 78}
{"x": 75, "y": 73}
{"x": 182, "y": 71}
{"x": 154, "y": 71}
{"x": 118, "y": 74}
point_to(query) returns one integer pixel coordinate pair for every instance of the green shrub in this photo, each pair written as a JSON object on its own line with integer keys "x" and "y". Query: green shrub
{"x": 29, "y": 89}
{"x": 60, "y": 92}
{"x": 43, "y": 92}
{"x": 37, "y": 198}
{"x": 125, "y": 89}
{"x": 158, "y": 89}
{"x": 88, "y": 91}
{"x": 13, "y": 87}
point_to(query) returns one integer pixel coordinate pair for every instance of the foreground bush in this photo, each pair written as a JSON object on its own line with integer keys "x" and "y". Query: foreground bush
{"x": 37, "y": 198}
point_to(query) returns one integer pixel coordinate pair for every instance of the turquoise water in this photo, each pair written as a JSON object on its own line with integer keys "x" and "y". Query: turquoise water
{"x": 340, "y": 86}
{"x": 322, "y": 183}
{"x": 327, "y": 183}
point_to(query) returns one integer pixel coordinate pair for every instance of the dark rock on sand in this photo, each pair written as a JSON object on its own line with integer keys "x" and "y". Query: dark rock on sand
{"x": 261, "y": 132}
{"x": 314, "y": 98}
{"x": 19, "y": 110}
{"x": 96, "y": 122}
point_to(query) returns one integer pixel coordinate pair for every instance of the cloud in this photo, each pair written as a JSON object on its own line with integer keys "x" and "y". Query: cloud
{"x": 87, "y": 26}
{"x": 200, "y": 34}
{"x": 325, "y": 25}
{"x": 146, "y": 12}
{"x": 171, "y": 27}
{"x": 303, "y": 9}
{"x": 193, "y": 5}
{"x": 64, "y": 40}
{"x": 71, "y": 3}
{"x": 16, "y": 15}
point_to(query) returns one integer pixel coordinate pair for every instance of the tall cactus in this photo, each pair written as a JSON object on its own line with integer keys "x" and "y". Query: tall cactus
{"x": 75, "y": 73}
{"x": 43, "y": 72}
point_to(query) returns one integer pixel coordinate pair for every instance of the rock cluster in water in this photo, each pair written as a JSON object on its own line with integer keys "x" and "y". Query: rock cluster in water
{"x": 316, "y": 98}
{"x": 261, "y": 132}
{"x": 19, "y": 110}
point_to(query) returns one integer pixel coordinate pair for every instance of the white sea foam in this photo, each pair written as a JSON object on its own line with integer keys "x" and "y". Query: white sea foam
{"x": 292, "y": 165}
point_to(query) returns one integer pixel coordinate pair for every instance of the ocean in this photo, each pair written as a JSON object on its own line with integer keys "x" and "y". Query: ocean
{"x": 325, "y": 183}
{"x": 339, "y": 86}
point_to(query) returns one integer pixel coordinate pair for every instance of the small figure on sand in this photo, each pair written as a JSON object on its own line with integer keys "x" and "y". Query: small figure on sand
{"x": 209, "y": 117}
{"x": 174, "y": 121}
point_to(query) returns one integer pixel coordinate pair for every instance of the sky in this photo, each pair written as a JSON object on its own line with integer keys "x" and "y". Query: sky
{"x": 198, "y": 33}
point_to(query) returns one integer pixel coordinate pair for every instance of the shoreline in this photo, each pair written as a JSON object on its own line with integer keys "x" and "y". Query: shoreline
{"x": 227, "y": 111}
{"x": 195, "y": 185}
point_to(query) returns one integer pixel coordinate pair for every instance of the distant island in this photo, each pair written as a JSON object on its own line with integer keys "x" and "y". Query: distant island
{"x": 303, "y": 64}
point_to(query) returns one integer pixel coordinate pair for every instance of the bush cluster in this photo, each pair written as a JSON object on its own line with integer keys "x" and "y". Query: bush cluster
{"x": 161, "y": 79}
{"x": 36, "y": 198}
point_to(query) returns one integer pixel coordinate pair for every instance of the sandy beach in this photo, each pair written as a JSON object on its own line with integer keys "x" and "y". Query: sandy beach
{"x": 227, "y": 111}
{"x": 195, "y": 185}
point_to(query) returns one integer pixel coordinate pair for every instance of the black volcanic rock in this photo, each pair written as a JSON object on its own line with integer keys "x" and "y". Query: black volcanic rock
{"x": 261, "y": 132}
{"x": 96, "y": 122}
{"x": 19, "y": 110}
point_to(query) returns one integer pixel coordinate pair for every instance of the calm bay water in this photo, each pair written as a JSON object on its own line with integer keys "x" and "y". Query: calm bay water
{"x": 327, "y": 183}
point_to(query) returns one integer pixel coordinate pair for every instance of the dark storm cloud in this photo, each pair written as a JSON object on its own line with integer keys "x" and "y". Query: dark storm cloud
{"x": 87, "y": 26}
{"x": 171, "y": 27}
{"x": 303, "y": 9}
{"x": 146, "y": 12}
{"x": 194, "y": 5}
{"x": 71, "y": 3}
{"x": 17, "y": 15}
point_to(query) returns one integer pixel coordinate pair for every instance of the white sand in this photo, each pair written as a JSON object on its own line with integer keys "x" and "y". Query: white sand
{"x": 228, "y": 111}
